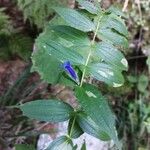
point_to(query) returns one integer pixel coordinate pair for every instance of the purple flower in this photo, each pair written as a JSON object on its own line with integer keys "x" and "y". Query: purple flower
{"x": 69, "y": 69}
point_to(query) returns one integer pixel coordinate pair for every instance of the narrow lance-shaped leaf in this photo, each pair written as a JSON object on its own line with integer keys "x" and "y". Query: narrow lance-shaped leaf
{"x": 75, "y": 19}
{"x": 83, "y": 146}
{"x": 95, "y": 105}
{"x": 47, "y": 110}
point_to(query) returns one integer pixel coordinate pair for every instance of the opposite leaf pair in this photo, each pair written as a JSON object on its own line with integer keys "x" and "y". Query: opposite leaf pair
{"x": 94, "y": 118}
{"x": 71, "y": 43}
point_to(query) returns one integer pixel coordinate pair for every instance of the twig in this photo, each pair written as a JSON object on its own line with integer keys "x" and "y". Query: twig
{"x": 136, "y": 57}
{"x": 125, "y": 5}
{"x": 139, "y": 8}
{"x": 42, "y": 126}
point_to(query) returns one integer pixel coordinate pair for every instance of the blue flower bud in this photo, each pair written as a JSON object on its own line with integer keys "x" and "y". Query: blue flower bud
{"x": 69, "y": 69}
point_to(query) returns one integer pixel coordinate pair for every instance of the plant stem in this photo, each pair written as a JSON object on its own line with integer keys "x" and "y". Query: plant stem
{"x": 71, "y": 130}
{"x": 88, "y": 57}
{"x": 83, "y": 74}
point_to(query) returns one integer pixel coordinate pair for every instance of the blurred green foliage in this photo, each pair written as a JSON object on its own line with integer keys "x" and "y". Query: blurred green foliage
{"x": 12, "y": 41}
{"x": 40, "y": 11}
{"x": 5, "y": 23}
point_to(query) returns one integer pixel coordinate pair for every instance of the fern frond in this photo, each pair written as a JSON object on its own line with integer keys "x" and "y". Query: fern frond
{"x": 21, "y": 45}
{"x": 11, "y": 41}
{"x": 38, "y": 11}
{"x": 5, "y": 23}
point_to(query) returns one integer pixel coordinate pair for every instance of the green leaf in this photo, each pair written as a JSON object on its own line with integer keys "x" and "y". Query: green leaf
{"x": 90, "y": 127}
{"x": 75, "y": 147}
{"x": 50, "y": 66}
{"x": 47, "y": 110}
{"x": 74, "y": 130}
{"x": 75, "y": 19}
{"x": 62, "y": 53}
{"x": 24, "y": 147}
{"x": 83, "y": 146}
{"x": 95, "y": 106}
{"x": 106, "y": 73}
{"x": 76, "y": 37}
{"x": 47, "y": 66}
{"x": 112, "y": 29}
{"x": 61, "y": 143}
{"x": 57, "y": 20}
{"x": 111, "y": 36}
{"x": 66, "y": 80}
{"x": 112, "y": 21}
{"x": 111, "y": 55}
{"x": 88, "y": 6}
{"x": 117, "y": 11}
{"x": 143, "y": 83}
{"x": 41, "y": 59}
{"x": 132, "y": 79}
